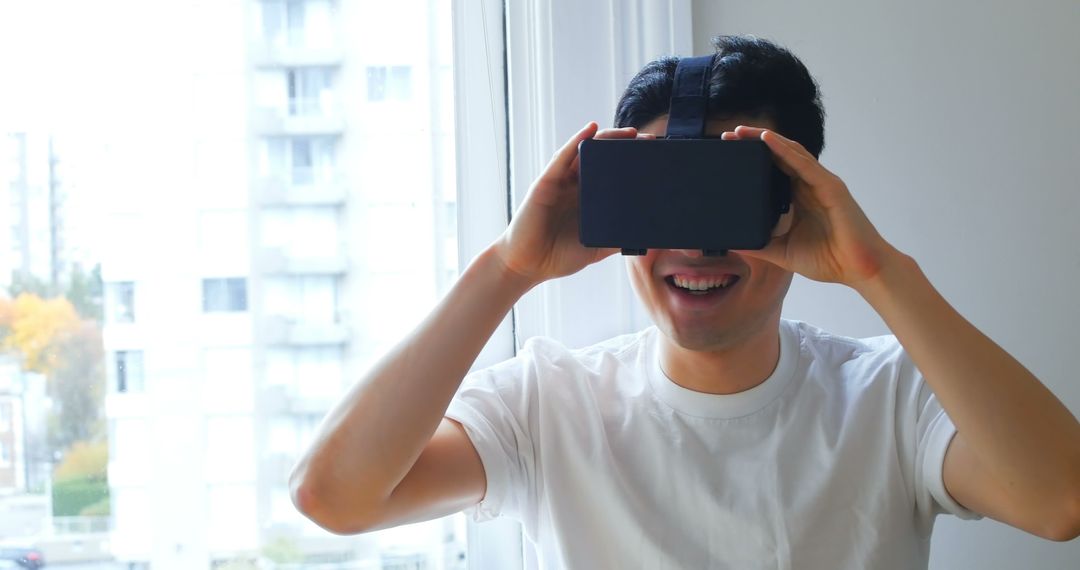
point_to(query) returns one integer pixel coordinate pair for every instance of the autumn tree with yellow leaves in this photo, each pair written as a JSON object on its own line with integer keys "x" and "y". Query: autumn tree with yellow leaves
{"x": 50, "y": 337}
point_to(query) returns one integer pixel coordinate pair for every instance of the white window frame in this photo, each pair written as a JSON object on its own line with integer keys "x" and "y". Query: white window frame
{"x": 567, "y": 62}
{"x": 483, "y": 201}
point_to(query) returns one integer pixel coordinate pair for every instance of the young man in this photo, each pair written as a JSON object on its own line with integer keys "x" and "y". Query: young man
{"x": 723, "y": 437}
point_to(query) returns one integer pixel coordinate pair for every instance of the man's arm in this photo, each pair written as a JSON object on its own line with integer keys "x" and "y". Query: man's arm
{"x": 1016, "y": 455}
{"x": 385, "y": 455}
{"x": 369, "y": 442}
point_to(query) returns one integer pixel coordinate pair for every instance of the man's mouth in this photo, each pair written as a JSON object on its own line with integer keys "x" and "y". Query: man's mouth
{"x": 701, "y": 285}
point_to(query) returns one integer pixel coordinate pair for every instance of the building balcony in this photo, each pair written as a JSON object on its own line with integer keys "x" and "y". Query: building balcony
{"x": 283, "y": 400}
{"x": 270, "y": 55}
{"x": 301, "y": 187}
{"x": 280, "y": 330}
{"x": 301, "y": 117}
{"x": 278, "y": 466}
{"x": 276, "y": 261}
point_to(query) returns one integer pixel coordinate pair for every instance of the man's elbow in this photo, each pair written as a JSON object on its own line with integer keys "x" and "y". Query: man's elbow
{"x": 1067, "y": 526}
{"x": 328, "y": 512}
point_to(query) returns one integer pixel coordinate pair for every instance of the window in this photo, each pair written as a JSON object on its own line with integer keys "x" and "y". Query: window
{"x": 296, "y": 91}
{"x": 283, "y": 22}
{"x": 120, "y": 302}
{"x": 5, "y": 453}
{"x": 313, "y": 373}
{"x": 224, "y": 295}
{"x": 223, "y": 239}
{"x": 312, "y": 299}
{"x": 228, "y": 383}
{"x": 300, "y": 160}
{"x": 302, "y": 231}
{"x": 257, "y": 144}
{"x": 310, "y": 90}
{"x": 389, "y": 83}
{"x": 126, "y": 371}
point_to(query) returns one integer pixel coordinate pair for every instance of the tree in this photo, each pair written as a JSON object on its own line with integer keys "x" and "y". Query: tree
{"x": 85, "y": 292}
{"x": 32, "y": 324}
{"x": 23, "y": 282}
{"x": 52, "y": 339}
{"x": 76, "y": 381}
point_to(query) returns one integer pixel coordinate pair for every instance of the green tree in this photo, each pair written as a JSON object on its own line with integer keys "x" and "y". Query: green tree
{"x": 84, "y": 291}
{"x": 76, "y": 384}
{"x": 80, "y": 483}
{"x": 22, "y": 282}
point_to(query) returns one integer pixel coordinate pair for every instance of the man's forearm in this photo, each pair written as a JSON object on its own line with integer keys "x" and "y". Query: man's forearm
{"x": 371, "y": 439}
{"x": 1025, "y": 437}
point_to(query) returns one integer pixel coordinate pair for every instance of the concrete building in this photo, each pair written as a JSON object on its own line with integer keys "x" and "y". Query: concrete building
{"x": 30, "y": 212}
{"x": 23, "y": 465}
{"x": 306, "y": 221}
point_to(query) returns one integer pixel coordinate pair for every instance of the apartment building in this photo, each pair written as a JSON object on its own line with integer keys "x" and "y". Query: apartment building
{"x": 309, "y": 224}
{"x": 30, "y": 211}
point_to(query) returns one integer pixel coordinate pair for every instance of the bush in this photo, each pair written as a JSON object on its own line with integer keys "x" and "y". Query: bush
{"x": 72, "y": 497}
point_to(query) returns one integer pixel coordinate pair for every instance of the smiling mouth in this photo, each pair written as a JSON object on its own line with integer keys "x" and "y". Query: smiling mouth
{"x": 701, "y": 286}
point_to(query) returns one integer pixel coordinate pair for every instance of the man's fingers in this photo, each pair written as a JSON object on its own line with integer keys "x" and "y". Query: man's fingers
{"x": 798, "y": 160}
{"x": 565, "y": 156}
{"x": 773, "y": 253}
{"x": 620, "y": 133}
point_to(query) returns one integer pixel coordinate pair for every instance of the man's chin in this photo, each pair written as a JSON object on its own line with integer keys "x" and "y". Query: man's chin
{"x": 703, "y": 340}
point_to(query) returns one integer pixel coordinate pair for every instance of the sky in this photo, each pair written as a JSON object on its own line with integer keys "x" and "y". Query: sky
{"x": 95, "y": 76}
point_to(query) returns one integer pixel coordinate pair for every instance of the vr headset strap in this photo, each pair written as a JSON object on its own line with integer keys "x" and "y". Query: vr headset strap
{"x": 690, "y": 98}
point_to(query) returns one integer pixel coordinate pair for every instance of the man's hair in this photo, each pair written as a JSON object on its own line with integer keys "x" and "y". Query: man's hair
{"x": 750, "y": 76}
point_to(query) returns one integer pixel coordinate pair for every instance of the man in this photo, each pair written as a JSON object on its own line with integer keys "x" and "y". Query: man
{"x": 723, "y": 437}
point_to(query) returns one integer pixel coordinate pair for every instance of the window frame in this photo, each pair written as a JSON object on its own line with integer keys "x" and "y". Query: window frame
{"x": 483, "y": 197}
{"x": 228, "y": 295}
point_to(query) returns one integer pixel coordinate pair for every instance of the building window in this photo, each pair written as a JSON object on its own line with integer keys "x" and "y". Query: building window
{"x": 389, "y": 83}
{"x": 120, "y": 302}
{"x": 283, "y": 22}
{"x": 6, "y": 421}
{"x": 310, "y": 91}
{"x": 225, "y": 295}
{"x": 126, "y": 371}
{"x": 299, "y": 161}
{"x": 5, "y": 454}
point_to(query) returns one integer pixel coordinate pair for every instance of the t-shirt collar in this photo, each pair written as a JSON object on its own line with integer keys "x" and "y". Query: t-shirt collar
{"x": 727, "y": 406}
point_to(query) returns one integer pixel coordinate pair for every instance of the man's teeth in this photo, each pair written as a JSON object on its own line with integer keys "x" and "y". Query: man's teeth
{"x": 704, "y": 283}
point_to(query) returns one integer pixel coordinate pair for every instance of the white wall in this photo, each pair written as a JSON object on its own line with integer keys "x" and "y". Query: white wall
{"x": 955, "y": 126}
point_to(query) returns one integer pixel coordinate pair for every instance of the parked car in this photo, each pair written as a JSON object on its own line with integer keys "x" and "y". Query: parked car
{"x": 24, "y": 558}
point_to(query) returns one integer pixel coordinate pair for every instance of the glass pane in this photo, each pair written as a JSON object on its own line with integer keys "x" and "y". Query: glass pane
{"x": 212, "y": 251}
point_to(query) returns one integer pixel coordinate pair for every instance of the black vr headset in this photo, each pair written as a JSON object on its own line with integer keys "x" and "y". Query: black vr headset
{"x": 684, "y": 191}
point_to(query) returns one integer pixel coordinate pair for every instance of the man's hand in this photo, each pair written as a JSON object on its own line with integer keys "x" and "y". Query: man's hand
{"x": 1016, "y": 456}
{"x": 826, "y": 236}
{"x": 542, "y": 241}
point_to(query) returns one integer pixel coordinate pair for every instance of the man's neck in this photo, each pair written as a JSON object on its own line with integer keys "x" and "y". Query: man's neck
{"x": 729, "y": 369}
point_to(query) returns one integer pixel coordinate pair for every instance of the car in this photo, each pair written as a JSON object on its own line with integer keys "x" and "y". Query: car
{"x": 23, "y": 558}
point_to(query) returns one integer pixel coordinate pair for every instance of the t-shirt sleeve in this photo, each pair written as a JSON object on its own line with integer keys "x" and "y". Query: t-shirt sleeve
{"x": 934, "y": 432}
{"x": 493, "y": 405}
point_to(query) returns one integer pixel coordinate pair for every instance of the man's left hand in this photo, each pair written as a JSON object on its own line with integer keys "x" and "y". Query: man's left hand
{"x": 826, "y": 236}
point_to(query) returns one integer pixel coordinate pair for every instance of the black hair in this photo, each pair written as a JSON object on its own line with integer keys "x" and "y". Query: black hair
{"x": 751, "y": 76}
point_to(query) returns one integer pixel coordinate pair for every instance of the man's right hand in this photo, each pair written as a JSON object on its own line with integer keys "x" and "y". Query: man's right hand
{"x": 386, "y": 455}
{"x": 542, "y": 242}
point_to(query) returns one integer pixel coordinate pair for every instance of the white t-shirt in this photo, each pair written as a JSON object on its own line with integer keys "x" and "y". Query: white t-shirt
{"x": 835, "y": 461}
